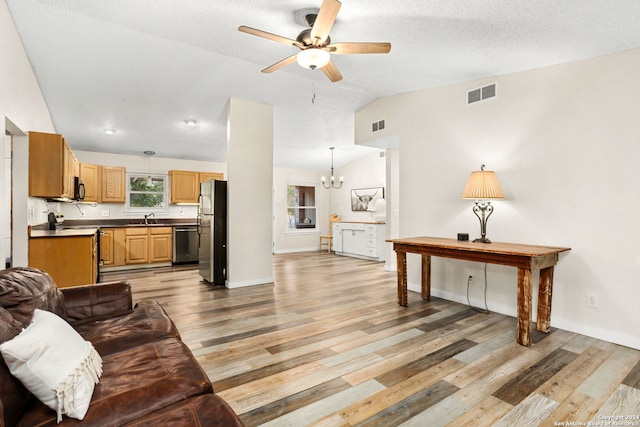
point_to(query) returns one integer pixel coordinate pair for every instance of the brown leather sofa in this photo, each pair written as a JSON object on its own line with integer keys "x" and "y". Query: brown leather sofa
{"x": 150, "y": 377}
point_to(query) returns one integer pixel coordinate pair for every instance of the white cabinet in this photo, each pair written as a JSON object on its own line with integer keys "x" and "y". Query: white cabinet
{"x": 359, "y": 239}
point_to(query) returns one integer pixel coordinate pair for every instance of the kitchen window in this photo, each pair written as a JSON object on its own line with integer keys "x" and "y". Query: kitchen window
{"x": 146, "y": 193}
{"x": 301, "y": 208}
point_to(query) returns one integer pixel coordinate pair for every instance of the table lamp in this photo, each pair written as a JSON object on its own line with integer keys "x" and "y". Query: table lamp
{"x": 483, "y": 186}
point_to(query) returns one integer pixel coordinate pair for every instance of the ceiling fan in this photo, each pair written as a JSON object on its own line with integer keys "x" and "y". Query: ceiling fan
{"x": 315, "y": 43}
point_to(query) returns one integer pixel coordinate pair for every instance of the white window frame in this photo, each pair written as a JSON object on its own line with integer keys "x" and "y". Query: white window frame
{"x": 316, "y": 228}
{"x": 165, "y": 204}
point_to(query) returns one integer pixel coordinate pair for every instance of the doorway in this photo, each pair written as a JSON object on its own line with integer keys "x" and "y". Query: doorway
{"x": 7, "y": 201}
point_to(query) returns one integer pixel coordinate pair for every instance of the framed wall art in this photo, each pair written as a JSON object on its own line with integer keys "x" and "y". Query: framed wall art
{"x": 364, "y": 199}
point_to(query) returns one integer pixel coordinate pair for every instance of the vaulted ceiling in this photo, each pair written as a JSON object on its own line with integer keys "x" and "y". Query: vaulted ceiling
{"x": 144, "y": 67}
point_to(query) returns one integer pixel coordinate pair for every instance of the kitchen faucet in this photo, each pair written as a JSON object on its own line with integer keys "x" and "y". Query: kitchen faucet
{"x": 147, "y": 217}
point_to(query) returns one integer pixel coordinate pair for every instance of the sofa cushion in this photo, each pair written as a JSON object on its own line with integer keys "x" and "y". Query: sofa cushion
{"x": 146, "y": 323}
{"x": 23, "y": 289}
{"x": 14, "y": 397}
{"x": 207, "y": 410}
{"x": 54, "y": 363}
{"x": 135, "y": 383}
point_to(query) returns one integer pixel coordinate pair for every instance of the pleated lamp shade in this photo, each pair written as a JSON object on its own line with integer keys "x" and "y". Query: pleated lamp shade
{"x": 482, "y": 184}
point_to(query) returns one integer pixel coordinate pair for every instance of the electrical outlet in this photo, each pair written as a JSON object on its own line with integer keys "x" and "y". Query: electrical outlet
{"x": 105, "y": 212}
{"x": 592, "y": 300}
{"x": 469, "y": 278}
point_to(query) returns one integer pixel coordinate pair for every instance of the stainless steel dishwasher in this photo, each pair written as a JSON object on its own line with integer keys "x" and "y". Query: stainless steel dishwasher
{"x": 185, "y": 244}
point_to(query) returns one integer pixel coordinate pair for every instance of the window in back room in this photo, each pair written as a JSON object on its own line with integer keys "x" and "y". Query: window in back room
{"x": 301, "y": 208}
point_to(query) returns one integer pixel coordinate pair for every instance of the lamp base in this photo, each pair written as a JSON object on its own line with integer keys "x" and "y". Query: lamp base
{"x": 482, "y": 240}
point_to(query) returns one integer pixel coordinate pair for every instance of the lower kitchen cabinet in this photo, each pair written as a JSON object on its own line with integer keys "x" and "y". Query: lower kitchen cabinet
{"x": 70, "y": 261}
{"x": 359, "y": 239}
{"x": 160, "y": 244}
{"x": 135, "y": 245}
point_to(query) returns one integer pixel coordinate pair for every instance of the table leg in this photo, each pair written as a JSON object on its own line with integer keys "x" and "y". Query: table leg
{"x": 523, "y": 335}
{"x": 545, "y": 289}
{"x": 425, "y": 291}
{"x": 402, "y": 278}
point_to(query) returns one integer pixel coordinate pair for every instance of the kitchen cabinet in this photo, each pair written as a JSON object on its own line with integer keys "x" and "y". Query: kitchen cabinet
{"x": 359, "y": 239}
{"x": 106, "y": 246}
{"x": 160, "y": 244}
{"x": 185, "y": 185}
{"x": 113, "y": 184}
{"x": 52, "y": 166}
{"x": 206, "y": 176}
{"x": 71, "y": 261}
{"x": 90, "y": 176}
{"x": 136, "y": 245}
{"x": 103, "y": 184}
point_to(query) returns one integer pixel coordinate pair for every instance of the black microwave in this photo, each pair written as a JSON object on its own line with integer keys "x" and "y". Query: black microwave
{"x": 78, "y": 189}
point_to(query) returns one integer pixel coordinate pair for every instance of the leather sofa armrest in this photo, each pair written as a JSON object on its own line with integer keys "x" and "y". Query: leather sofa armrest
{"x": 97, "y": 301}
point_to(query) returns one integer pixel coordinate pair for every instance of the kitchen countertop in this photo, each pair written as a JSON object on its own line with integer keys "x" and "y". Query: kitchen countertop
{"x": 79, "y": 228}
{"x": 64, "y": 232}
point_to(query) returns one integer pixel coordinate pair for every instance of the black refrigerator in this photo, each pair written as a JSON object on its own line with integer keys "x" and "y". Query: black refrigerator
{"x": 212, "y": 231}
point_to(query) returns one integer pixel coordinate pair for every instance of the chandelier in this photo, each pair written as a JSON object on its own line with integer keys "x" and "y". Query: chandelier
{"x": 332, "y": 179}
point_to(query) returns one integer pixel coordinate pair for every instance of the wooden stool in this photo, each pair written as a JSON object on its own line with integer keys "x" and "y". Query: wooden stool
{"x": 329, "y": 237}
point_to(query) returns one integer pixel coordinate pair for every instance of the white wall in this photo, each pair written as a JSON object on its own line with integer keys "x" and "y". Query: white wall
{"x": 283, "y": 240}
{"x": 564, "y": 142}
{"x": 368, "y": 172}
{"x": 250, "y": 177}
{"x": 21, "y": 103}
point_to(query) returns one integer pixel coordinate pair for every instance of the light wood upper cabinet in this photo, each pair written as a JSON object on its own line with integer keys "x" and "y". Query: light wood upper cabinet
{"x": 185, "y": 185}
{"x": 52, "y": 166}
{"x": 114, "y": 185}
{"x": 90, "y": 176}
{"x": 206, "y": 176}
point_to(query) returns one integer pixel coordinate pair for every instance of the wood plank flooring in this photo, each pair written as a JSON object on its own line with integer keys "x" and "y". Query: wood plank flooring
{"x": 327, "y": 345}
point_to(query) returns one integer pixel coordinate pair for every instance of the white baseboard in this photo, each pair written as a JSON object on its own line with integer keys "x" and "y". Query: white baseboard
{"x": 564, "y": 324}
{"x": 245, "y": 283}
{"x": 291, "y": 251}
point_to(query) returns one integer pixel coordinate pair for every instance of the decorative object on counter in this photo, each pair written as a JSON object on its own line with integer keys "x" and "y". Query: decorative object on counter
{"x": 364, "y": 199}
{"x": 463, "y": 237}
{"x": 332, "y": 183}
{"x": 483, "y": 186}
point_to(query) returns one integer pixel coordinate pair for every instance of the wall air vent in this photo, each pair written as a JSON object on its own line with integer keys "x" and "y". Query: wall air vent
{"x": 377, "y": 126}
{"x": 480, "y": 94}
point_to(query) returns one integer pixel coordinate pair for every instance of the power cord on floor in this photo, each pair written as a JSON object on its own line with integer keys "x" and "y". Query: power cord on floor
{"x": 486, "y": 308}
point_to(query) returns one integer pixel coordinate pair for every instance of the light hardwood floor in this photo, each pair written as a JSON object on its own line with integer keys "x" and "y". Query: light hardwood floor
{"x": 327, "y": 345}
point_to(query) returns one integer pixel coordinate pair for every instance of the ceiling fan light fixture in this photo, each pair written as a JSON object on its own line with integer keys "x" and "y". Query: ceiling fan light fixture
{"x": 313, "y": 58}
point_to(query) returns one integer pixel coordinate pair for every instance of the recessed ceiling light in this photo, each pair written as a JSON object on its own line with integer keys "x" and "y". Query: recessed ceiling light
{"x": 149, "y": 152}
{"x": 191, "y": 122}
{"x": 109, "y": 131}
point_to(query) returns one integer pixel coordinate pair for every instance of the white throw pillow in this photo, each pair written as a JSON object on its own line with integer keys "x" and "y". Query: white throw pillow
{"x": 55, "y": 364}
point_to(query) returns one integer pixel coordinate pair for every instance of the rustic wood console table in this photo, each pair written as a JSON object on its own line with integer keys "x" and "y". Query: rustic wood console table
{"x": 526, "y": 258}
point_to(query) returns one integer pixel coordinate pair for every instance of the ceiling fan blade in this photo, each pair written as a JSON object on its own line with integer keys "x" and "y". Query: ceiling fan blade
{"x": 332, "y": 72}
{"x": 280, "y": 64}
{"x": 356, "y": 48}
{"x": 324, "y": 21}
{"x": 269, "y": 36}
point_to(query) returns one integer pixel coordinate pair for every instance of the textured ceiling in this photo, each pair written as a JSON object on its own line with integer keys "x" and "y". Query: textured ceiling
{"x": 143, "y": 67}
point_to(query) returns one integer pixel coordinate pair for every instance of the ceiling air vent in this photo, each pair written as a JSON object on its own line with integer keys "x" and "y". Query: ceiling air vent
{"x": 376, "y": 126}
{"x": 480, "y": 94}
